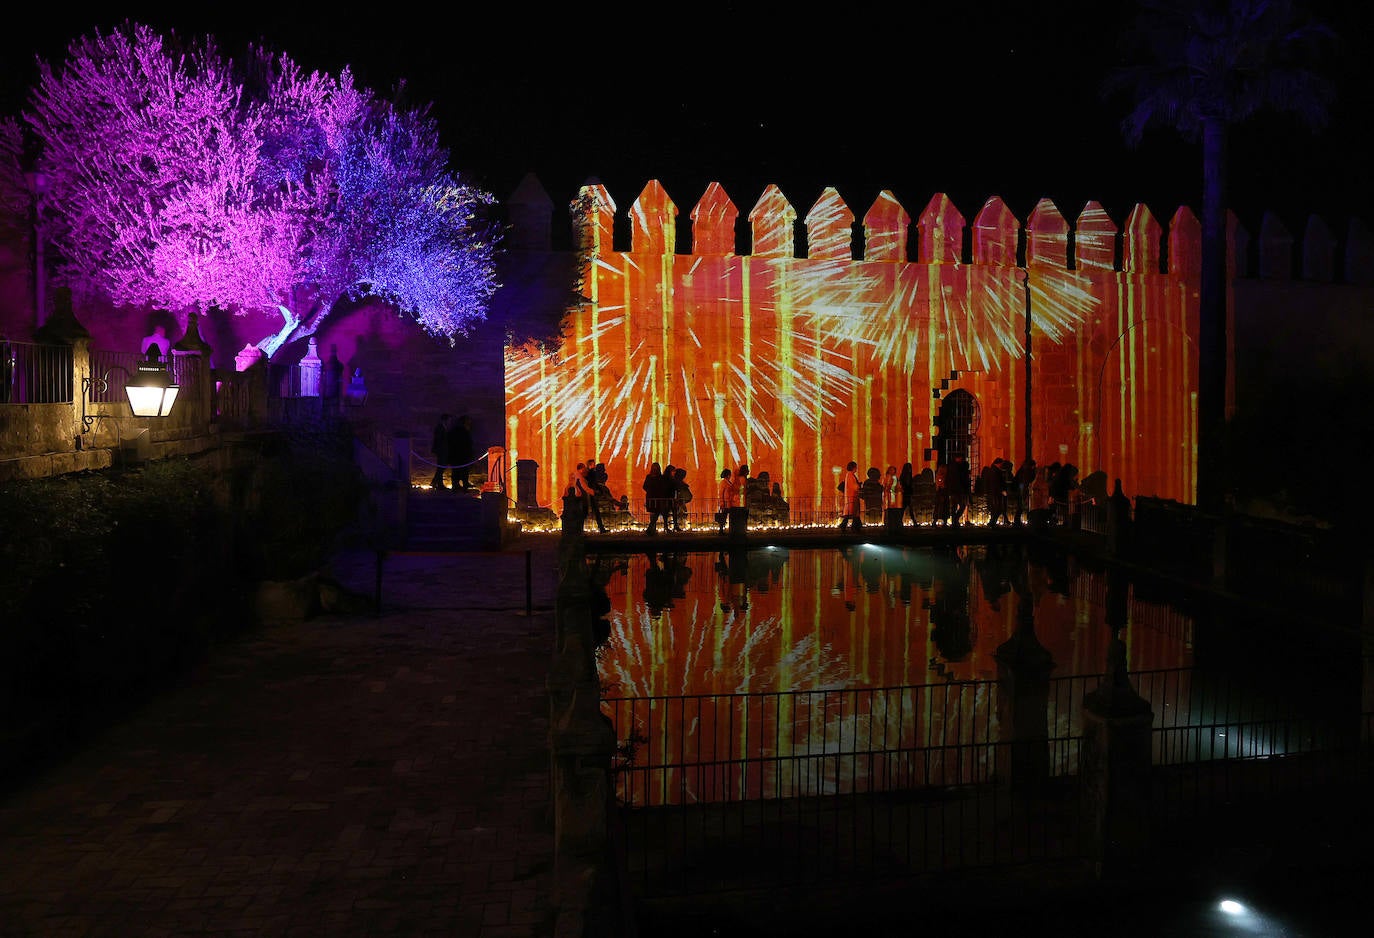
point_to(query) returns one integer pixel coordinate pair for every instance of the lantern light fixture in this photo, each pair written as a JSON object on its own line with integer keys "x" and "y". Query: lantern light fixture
{"x": 151, "y": 392}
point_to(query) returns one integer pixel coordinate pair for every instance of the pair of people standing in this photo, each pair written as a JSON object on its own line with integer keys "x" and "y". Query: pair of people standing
{"x": 452, "y": 449}
{"x": 660, "y": 500}
{"x": 586, "y": 484}
{"x": 953, "y": 489}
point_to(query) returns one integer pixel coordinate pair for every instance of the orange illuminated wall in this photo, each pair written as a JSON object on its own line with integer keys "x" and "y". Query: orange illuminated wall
{"x": 795, "y": 365}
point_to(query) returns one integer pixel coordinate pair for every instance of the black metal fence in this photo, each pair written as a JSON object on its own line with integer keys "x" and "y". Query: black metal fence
{"x": 34, "y": 373}
{"x": 765, "y": 790}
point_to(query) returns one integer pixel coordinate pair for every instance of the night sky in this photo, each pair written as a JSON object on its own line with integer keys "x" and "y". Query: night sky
{"x": 979, "y": 100}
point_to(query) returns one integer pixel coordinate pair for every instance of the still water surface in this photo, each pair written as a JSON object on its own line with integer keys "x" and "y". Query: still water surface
{"x": 772, "y": 620}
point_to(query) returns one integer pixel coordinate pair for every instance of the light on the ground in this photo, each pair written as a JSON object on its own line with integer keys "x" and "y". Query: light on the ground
{"x": 1231, "y": 907}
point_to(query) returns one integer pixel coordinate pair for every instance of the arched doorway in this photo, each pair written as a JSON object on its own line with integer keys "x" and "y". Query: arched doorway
{"x": 958, "y": 426}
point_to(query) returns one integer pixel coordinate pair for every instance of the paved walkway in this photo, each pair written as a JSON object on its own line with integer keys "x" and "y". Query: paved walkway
{"x": 347, "y": 775}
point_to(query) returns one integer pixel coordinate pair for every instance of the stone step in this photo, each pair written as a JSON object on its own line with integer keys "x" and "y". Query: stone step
{"x": 445, "y": 522}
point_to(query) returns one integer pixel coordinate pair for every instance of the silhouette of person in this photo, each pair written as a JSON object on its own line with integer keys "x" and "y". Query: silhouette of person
{"x": 439, "y": 447}
{"x": 906, "y": 494}
{"x": 960, "y": 483}
{"x": 460, "y": 451}
{"x": 850, "y": 486}
{"x": 658, "y": 498}
{"x": 871, "y": 492}
{"x": 658, "y": 585}
{"x": 1024, "y": 480}
{"x": 587, "y": 488}
{"x": 727, "y": 497}
{"x": 682, "y": 494}
{"x": 942, "y": 502}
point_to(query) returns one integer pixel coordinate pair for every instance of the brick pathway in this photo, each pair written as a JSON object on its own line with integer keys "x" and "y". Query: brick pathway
{"x": 347, "y": 775}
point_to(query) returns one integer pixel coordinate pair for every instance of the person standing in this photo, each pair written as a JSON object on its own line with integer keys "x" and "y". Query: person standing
{"x": 460, "y": 451}
{"x": 670, "y": 490}
{"x": 994, "y": 482}
{"x": 906, "y": 493}
{"x": 960, "y": 482}
{"x": 892, "y": 490}
{"x": 726, "y": 500}
{"x": 942, "y": 494}
{"x": 849, "y": 485}
{"x": 682, "y": 494}
{"x": 1024, "y": 479}
{"x": 586, "y": 482}
{"x": 439, "y": 448}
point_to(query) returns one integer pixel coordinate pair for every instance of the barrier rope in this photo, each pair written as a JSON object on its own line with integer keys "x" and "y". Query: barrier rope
{"x": 463, "y": 465}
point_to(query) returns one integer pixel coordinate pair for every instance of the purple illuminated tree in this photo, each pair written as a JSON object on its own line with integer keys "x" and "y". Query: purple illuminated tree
{"x": 180, "y": 180}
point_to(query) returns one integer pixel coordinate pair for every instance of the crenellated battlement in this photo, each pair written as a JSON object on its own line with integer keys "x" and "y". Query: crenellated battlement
{"x": 941, "y": 234}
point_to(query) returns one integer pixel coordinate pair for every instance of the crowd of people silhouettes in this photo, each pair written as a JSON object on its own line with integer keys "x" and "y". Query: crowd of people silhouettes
{"x": 945, "y": 495}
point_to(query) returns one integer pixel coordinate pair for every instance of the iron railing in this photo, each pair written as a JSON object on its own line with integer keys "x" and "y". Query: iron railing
{"x": 35, "y": 373}
{"x": 829, "y": 784}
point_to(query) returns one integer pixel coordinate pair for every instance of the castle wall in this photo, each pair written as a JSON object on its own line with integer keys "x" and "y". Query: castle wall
{"x": 795, "y": 365}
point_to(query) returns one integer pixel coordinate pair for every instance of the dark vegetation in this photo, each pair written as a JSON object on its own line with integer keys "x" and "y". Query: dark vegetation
{"x": 114, "y": 582}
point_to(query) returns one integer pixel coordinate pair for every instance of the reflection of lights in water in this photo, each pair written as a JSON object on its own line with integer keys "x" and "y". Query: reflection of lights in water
{"x": 791, "y": 671}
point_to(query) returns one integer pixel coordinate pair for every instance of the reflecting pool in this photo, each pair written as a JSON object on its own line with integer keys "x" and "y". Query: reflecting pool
{"x": 774, "y": 673}
{"x": 774, "y": 620}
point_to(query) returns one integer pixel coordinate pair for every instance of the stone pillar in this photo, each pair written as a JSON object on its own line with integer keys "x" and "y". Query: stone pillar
{"x": 892, "y": 520}
{"x": 526, "y": 483}
{"x": 493, "y": 515}
{"x": 1023, "y": 693}
{"x": 191, "y": 356}
{"x": 310, "y": 370}
{"x": 496, "y": 469}
{"x": 574, "y": 515}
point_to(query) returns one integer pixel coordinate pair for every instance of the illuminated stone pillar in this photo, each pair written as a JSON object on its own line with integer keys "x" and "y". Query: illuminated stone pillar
{"x": 310, "y": 370}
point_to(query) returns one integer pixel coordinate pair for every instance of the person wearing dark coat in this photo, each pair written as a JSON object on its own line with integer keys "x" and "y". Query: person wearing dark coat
{"x": 960, "y": 482}
{"x": 1024, "y": 481}
{"x": 460, "y": 451}
{"x": 906, "y": 491}
{"x": 439, "y": 448}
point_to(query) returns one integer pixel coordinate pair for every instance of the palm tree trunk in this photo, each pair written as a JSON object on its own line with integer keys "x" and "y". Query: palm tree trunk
{"x": 1213, "y": 288}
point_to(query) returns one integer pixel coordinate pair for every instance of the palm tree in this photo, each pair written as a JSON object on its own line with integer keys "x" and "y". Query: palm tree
{"x": 1199, "y": 66}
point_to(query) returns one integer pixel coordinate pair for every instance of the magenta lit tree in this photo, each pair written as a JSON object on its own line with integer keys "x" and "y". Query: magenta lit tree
{"x": 180, "y": 180}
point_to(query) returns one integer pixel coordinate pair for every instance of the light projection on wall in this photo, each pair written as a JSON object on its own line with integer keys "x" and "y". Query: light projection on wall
{"x": 777, "y": 654}
{"x": 795, "y": 365}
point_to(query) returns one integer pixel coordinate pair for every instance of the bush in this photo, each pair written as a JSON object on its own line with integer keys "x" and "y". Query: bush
{"x": 111, "y": 581}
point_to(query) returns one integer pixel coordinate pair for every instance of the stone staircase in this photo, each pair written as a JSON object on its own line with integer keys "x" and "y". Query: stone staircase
{"x": 446, "y": 522}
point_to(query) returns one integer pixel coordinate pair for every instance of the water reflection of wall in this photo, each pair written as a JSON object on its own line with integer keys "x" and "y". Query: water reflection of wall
{"x": 861, "y": 616}
{"x": 766, "y": 673}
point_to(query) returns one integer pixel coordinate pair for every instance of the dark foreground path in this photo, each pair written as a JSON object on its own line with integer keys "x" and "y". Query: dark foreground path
{"x": 347, "y": 775}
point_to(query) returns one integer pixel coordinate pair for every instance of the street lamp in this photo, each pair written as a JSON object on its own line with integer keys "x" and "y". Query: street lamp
{"x": 151, "y": 392}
